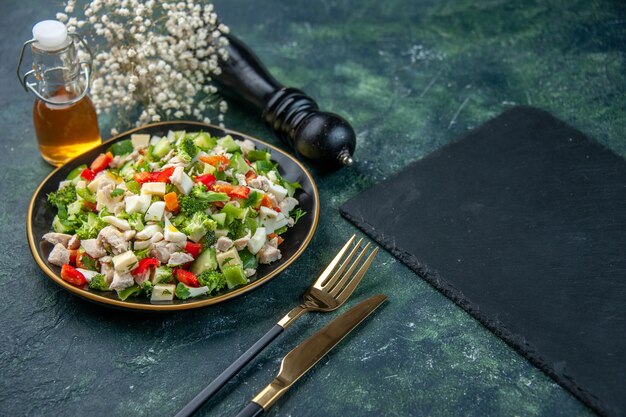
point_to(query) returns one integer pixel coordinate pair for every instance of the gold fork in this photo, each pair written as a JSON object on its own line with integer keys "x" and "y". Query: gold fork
{"x": 329, "y": 292}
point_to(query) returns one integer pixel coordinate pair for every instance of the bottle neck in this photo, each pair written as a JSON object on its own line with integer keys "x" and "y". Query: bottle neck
{"x": 57, "y": 72}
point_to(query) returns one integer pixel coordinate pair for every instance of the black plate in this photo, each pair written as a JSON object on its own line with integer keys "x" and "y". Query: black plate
{"x": 41, "y": 214}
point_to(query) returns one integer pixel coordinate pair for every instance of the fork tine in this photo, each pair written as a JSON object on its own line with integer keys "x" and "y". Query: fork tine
{"x": 347, "y": 291}
{"x": 330, "y": 282}
{"x": 342, "y": 282}
{"x": 331, "y": 266}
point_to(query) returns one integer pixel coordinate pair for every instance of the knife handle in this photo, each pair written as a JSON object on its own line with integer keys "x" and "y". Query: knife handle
{"x": 229, "y": 372}
{"x": 251, "y": 410}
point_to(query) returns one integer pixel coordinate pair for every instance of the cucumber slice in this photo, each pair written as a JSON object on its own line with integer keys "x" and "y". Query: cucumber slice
{"x": 206, "y": 261}
{"x": 161, "y": 148}
{"x": 233, "y": 212}
{"x": 248, "y": 259}
{"x": 59, "y": 227}
{"x": 234, "y": 276}
{"x": 228, "y": 258}
{"x": 204, "y": 141}
{"x": 228, "y": 143}
{"x": 239, "y": 164}
{"x": 76, "y": 172}
{"x": 122, "y": 147}
{"x": 220, "y": 218}
{"x": 127, "y": 170}
{"x": 257, "y": 155}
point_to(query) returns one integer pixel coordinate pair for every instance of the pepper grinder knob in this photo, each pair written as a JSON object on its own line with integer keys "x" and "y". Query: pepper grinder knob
{"x": 325, "y": 139}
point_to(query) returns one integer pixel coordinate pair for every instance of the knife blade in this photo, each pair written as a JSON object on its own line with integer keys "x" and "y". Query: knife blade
{"x": 304, "y": 356}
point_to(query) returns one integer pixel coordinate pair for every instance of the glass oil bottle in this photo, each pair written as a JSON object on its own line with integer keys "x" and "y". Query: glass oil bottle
{"x": 65, "y": 119}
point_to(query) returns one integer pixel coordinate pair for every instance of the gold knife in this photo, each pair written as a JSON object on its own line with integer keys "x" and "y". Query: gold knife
{"x": 298, "y": 362}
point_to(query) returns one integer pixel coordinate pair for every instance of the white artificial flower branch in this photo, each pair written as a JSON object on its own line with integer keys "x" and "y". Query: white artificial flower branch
{"x": 157, "y": 55}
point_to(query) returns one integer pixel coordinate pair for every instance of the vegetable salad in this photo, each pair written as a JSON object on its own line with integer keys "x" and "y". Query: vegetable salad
{"x": 179, "y": 216}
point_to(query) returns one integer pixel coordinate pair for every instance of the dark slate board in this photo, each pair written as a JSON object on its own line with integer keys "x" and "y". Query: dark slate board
{"x": 522, "y": 222}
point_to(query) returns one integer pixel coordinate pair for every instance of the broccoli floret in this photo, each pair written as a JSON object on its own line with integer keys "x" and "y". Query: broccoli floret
{"x": 198, "y": 190}
{"x": 182, "y": 292}
{"x": 236, "y": 229}
{"x": 209, "y": 239}
{"x": 187, "y": 149}
{"x": 199, "y": 200}
{"x": 98, "y": 283}
{"x": 136, "y": 221}
{"x": 147, "y": 287}
{"x": 198, "y": 225}
{"x": 190, "y": 204}
{"x": 213, "y": 279}
{"x": 163, "y": 275}
{"x": 64, "y": 196}
{"x": 90, "y": 228}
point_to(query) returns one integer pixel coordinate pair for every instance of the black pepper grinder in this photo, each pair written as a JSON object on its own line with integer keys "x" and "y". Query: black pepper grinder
{"x": 325, "y": 139}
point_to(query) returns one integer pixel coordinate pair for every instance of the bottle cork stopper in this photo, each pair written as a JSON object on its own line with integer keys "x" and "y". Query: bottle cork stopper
{"x": 50, "y": 35}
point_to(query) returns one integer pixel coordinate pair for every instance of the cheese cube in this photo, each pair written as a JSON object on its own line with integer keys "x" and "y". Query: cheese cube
{"x": 182, "y": 181}
{"x": 137, "y": 203}
{"x": 257, "y": 241}
{"x": 101, "y": 181}
{"x": 163, "y": 292}
{"x": 272, "y": 224}
{"x": 153, "y": 188}
{"x": 279, "y": 191}
{"x": 155, "y": 212}
{"x": 139, "y": 140}
{"x": 124, "y": 262}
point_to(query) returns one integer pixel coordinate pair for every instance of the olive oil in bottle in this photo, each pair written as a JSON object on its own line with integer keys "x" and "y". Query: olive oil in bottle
{"x": 65, "y": 119}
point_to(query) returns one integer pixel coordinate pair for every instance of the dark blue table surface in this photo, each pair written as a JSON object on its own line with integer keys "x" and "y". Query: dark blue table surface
{"x": 410, "y": 76}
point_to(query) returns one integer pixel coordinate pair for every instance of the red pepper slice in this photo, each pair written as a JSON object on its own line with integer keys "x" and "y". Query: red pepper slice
{"x": 223, "y": 188}
{"x": 233, "y": 191}
{"x": 193, "y": 249}
{"x": 72, "y": 275}
{"x": 157, "y": 176}
{"x": 145, "y": 264}
{"x": 206, "y": 179}
{"x": 250, "y": 175}
{"x": 266, "y": 202}
{"x": 187, "y": 278}
{"x": 274, "y": 235}
{"x": 218, "y": 161}
{"x": 89, "y": 206}
{"x": 79, "y": 260}
{"x": 142, "y": 177}
{"x": 164, "y": 175}
{"x": 101, "y": 162}
{"x": 73, "y": 256}
{"x": 239, "y": 192}
{"x": 88, "y": 174}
